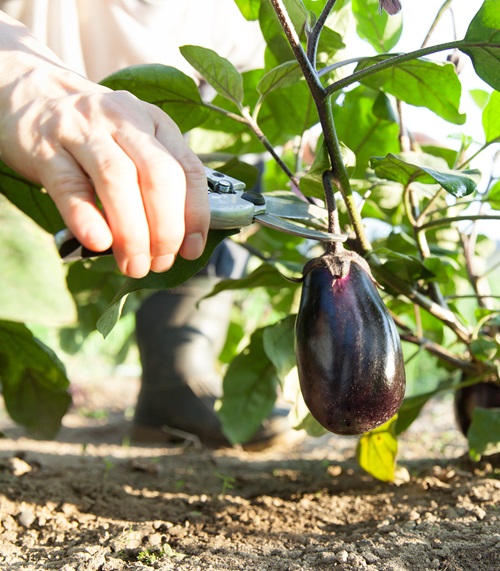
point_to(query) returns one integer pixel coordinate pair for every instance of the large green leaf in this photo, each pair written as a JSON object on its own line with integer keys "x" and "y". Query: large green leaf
{"x": 179, "y": 273}
{"x": 283, "y": 75}
{"x": 249, "y": 8}
{"x": 279, "y": 340}
{"x": 377, "y": 28}
{"x": 482, "y": 43}
{"x": 484, "y": 432}
{"x": 34, "y": 383}
{"x": 422, "y": 83}
{"x": 376, "y": 133}
{"x": 250, "y": 386}
{"x": 33, "y": 286}
{"x": 266, "y": 275}
{"x": 31, "y": 199}
{"x": 377, "y": 451}
{"x": 491, "y": 118}
{"x": 167, "y": 87}
{"x": 392, "y": 167}
{"x": 218, "y": 72}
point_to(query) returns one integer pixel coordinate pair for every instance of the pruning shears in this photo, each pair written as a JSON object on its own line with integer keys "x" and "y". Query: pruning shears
{"x": 231, "y": 206}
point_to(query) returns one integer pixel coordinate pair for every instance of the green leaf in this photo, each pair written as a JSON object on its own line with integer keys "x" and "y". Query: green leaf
{"x": 33, "y": 286}
{"x": 279, "y": 340}
{"x": 179, "y": 273}
{"x": 491, "y": 118}
{"x": 480, "y": 97}
{"x": 377, "y": 28}
{"x": 166, "y": 87}
{"x": 311, "y": 184}
{"x": 376, "y": 132}
{"x": 484, "y": 432}
{"x": 284, "y": 75}
{"x": 266, "y": 275}
{"x": 30, "y": 198}
{"x": 395, "y": 168}
{"x": 377, "y": 450}
{"x": 250, "y": 386}
{"x": 34, "y": 383}
{"x": 218, "y": 72}
{"x": 422, "y": 83}
{"x": 482, "y": 43}
{"x": 249, "y": 8}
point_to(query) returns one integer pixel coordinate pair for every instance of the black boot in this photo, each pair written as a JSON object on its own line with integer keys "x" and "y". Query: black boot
{"x": 179, "y": 339}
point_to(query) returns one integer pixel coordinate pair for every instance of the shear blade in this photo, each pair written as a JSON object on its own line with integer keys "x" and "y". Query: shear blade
{"x": 276, "y": 223}
{"x": 294, "y": 210}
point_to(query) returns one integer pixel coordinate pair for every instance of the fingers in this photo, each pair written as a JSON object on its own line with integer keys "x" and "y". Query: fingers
{"x": 197, "y": 214}
{"x": 151, "y": 185}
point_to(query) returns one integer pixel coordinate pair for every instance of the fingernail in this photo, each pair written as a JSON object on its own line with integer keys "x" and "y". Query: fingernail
{"x": 193, "y": 246}
{"x": 138, "y": 266}
{"x": 162, "y": 263}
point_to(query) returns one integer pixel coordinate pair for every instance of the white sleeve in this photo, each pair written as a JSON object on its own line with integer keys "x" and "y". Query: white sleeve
{"x": 98, "y": 37}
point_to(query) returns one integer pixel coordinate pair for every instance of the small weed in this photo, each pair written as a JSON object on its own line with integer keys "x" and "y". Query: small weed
{"x": 151, "y": 556}
{"x": 228, "y": 482}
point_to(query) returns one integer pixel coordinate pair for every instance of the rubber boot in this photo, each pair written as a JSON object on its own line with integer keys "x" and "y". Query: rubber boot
{"x": 179, "y": 339}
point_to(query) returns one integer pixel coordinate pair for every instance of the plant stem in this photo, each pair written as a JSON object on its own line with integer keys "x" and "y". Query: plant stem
{"x": 324, "y": 107}
{"x": 451, "y": 220}
{"x": 393, "y": 61}
{"x": 438, "y": 17}
{"x": 313, "y": 39}
{"x": 265, "y": 142}
{"x": 479, "y": 151}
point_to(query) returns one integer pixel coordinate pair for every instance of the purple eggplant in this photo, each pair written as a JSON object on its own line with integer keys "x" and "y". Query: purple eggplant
{"x": 348, "y": 351}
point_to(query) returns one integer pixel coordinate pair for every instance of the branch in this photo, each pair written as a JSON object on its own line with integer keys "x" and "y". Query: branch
{"x": 293, "y": 39}
{"x": 391, "y": 62}
{"x": 314, "y": 35}
{"x": 438, "y": 17}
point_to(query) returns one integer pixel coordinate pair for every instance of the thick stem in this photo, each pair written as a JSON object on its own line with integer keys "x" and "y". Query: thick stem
{"x": 324, "y": 107}
{"x": 313, "y": 39}
{"x": 393, "y": 61}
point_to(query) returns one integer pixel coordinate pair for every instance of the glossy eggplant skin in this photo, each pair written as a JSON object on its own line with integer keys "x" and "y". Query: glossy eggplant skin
{"x": 348, "y": 351}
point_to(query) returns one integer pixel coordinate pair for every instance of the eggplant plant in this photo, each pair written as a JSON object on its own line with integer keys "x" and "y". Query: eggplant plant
{"x": 331, "y": 129}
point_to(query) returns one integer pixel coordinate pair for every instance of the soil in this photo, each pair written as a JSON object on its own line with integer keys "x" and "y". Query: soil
{"x": 91, "y": 502}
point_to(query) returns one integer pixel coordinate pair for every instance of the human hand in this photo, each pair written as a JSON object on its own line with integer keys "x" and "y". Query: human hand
{"x": 81, "y": 141}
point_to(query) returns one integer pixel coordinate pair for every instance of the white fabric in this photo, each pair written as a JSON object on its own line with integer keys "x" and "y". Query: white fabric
{"x": 98, "y": 37}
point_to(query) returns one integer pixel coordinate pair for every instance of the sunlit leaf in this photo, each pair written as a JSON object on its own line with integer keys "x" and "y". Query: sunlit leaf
{"x": 285, "y": 74}
{"x": 279, "y": 345}
{"x": 457, "y": 183}
{"x": 33, "y": 280}
{"x": 377, "y": 450}
{"x": 482, "y": 43}
{"x": 380, "y": 30}
{"x": 249, "y": 8}
{"x": 219, "y": 72}
{"x": 422, "y": 83}
{"x": 376, "y": 133}
{"x": 491, "y": 118}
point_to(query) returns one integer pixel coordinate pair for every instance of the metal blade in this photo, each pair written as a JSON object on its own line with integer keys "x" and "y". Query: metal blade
{"x": 294, "y": 209}
{"x": 290, "y": 228}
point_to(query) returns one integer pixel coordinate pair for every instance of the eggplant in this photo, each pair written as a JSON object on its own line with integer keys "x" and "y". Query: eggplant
{"x": 347, "y": 347}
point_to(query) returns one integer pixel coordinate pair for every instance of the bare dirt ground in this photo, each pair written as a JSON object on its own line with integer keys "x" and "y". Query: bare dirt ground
{"x": 90, "y": 502}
